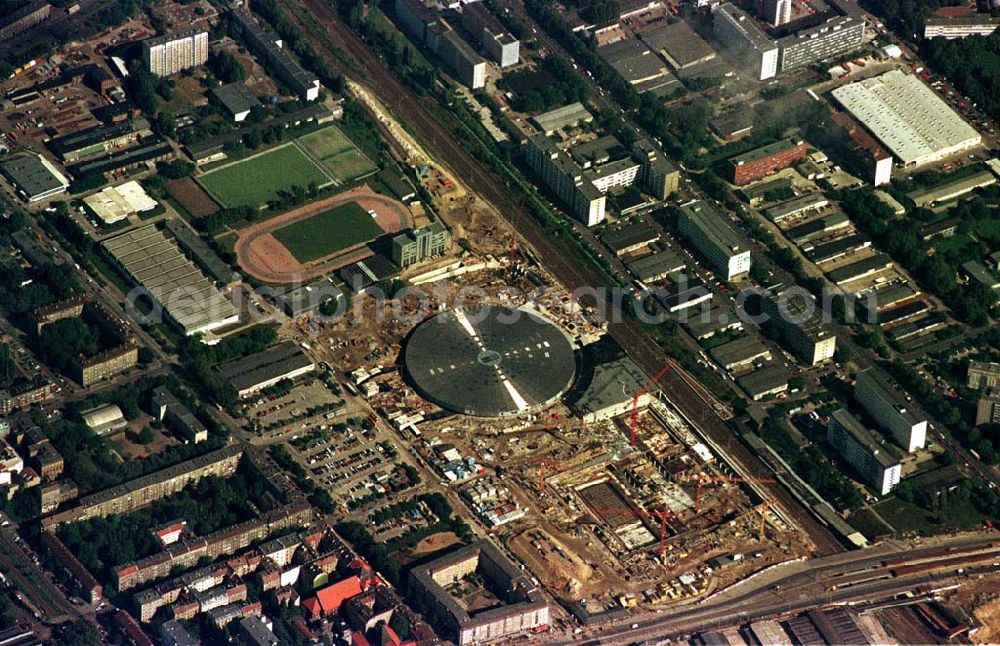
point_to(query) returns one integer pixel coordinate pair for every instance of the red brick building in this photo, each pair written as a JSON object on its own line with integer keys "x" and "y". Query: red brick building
{"x": 763, "y": 161}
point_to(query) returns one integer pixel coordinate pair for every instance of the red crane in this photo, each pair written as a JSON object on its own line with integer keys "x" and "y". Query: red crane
{"x": 634, "y": 420}
{"x": 659, "y": 514}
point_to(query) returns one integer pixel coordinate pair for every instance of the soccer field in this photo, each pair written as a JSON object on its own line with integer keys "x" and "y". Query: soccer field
{"x": 257, "y": 180}
{"x": 328, "y": 232}
{"x": 338, "y": 154}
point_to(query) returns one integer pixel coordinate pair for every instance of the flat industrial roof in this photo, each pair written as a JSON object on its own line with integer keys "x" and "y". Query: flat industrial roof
{"x": 797, "y": 205}
{"x": 906, "y": 115}
{"x": 859, "y": 269}
{"x": 764, "y": 380}
{"x": 633, "y": 60}
{"x": 236, "y": 97}
{"x": 562, "y": 117}
{"x": 115, "y": 203}
{"x": 34, "y": 175}
{"x": 681, "y": 45}
{"x": 656, "y": 264}
{"x": 205, "y": 255}
{"x": 156, "y": 262}
{"x": 807, "y": 230}
{"x": 258, "y": 368}
{"x": 613, "y": 383}
{"x": 739, "y": 350}
{"x": 836, "y": 248}
{"x": 629, "y": 234}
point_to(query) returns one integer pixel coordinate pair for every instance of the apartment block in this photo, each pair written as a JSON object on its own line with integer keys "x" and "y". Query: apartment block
{"x": 892, "y": 409}
{"x": 460, "y": 59}
{"x": 521, "y": 605}
{"x": 861, "y": 450}
{"x": 727, "y": 251}
{"x": 976, "y": 24}
{"x": 105, "y": 365}
{"x": 565, "y": 178}
{"x": 840, "y": 29}
{"x": 67, "y": 309}
{"x": 502, "y": 48}
{"x": 660, "y": 177}
{"x": 988, "y": 407}
{"x": 777, "y": 12}
{"x": 24, "y": 18}
{"x": 740, "y": 33}
{"x": 169, "y": 54}
{"x": 224, "y": 541}
{"x": 269, "y": 47}
{"x": 797, "y": 316}
{"x": 144, "y": 490}
{"x": 983, "y": 374}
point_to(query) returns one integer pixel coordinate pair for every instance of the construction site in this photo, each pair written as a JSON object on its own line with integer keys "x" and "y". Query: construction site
{"x": 612, "y": 509}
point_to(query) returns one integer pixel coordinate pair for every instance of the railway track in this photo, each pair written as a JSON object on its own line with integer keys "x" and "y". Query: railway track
{"x": 367, "y": 66}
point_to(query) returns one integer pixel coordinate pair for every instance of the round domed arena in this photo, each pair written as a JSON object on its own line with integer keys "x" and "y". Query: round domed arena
{"x": 490, "y": 361}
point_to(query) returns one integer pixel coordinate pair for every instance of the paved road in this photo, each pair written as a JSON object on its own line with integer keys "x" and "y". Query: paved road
{"x": 30, "y": 579}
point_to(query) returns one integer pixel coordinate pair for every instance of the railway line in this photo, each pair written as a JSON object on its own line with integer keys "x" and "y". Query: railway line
{"x": 636, "y": 343}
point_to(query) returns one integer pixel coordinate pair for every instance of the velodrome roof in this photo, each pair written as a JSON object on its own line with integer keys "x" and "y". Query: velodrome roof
{"x": 490, "y": 361}
{"x": 156, "y": 262}
{"x": 907, "y": 116}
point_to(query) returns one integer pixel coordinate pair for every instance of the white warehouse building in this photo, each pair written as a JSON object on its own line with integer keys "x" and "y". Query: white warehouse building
{"x": 907, "y": 117}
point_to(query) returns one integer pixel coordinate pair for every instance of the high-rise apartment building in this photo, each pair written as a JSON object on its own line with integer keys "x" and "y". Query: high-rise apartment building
{"x": 727, "y": 250}
{"x": 796, "y": 314}
{"x": 861, "y": 450}
{"x": 892, "y": 409}
{"x": 777, "y": 12}
{"x": 169, "y": 54}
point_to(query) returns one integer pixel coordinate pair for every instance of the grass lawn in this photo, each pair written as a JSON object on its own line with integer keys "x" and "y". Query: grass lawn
{"x": 328, "y": 232}
{"x": 256, "y": 180}
{"x": 337, "y": 153}
{"x": 908, "y": 517}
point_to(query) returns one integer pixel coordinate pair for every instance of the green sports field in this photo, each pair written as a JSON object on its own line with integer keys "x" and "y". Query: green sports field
{"x": 337, "y": 153}
{"x": 256, "y": 181}
{"x": 328, "y": 232}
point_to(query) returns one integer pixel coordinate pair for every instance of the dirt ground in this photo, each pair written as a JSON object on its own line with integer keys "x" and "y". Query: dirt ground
{"x": 569, "y": 573}
{"x": 982, "y": 598}
{"x": 435, "y": 542}
{"x": 192, "y": 197}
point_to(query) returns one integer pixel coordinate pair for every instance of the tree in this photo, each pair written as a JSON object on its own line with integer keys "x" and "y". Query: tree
{"x": 227, "y": 69}
{"x": 146, "y": 436}
{"x": 66, "y": 339}
{"x": 79, "y": 632}
{"x": 177, "y": 169}
{"x": 165, "y": 124}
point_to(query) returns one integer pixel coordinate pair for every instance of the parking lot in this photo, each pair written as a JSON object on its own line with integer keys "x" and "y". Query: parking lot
{"x": 311, "y": 404}
{"x": 354, "y": 461}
